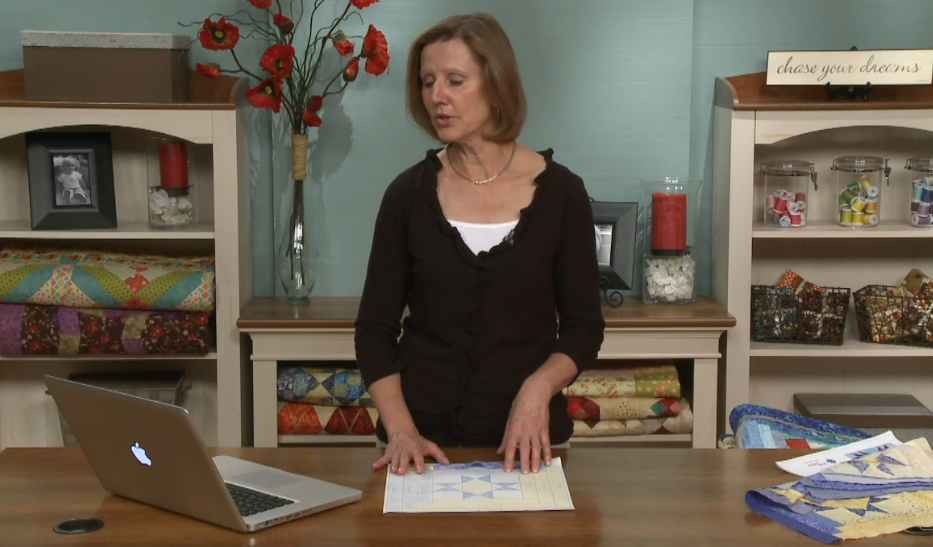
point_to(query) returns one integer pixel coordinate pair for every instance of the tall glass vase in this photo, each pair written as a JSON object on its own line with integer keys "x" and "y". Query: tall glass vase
{"x": 295, "y": 249}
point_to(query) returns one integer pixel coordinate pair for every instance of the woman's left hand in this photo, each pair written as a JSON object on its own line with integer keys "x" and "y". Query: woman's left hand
{"x": 528, "y": 430}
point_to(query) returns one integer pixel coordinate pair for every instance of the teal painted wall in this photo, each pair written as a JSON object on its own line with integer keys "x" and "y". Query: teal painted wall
{"x": 620, "y": 89}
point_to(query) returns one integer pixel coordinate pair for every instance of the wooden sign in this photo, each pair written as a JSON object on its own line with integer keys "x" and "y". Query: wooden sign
{"x": 851, "y": 67}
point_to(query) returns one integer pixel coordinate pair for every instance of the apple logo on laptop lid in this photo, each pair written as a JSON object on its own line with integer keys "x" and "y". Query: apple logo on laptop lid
{"x": 140, "y": 454}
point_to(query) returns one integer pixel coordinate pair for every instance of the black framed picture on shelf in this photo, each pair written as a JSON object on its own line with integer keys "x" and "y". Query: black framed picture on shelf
{"x": 71, "y": 183}
{"x": 615, "y": 230}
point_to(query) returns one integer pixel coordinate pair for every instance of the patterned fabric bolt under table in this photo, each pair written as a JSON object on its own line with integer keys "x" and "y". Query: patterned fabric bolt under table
{"x": 90, "y": 279}
{"x": 323, "y": 386}
{"x": 757, "y": 426}
{"x": 55, "y": 330}
{"x": 622, "y": 408}
{"x": 676, "y": 425}
{"x": 310, "y": 419}
{"x": 642, "y": 381}
{"x": 875, "y": 494}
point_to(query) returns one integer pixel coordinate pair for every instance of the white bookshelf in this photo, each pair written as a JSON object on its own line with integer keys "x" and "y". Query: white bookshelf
{"x": 754, "y": 124}
{"x": 215, "y": 123}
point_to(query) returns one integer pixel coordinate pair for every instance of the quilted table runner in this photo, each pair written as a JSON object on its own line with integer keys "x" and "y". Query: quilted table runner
{"x": 309, "y": 419}
{"x": 54, "y": 330}
{"x": 875, "y": 494}
{"x": 90, "y": 279}
{"x": 642, "y": 381}
{"x": 323, "y": 386}
{"x": 622, "y": 408}
{"x": 678, "y": 425}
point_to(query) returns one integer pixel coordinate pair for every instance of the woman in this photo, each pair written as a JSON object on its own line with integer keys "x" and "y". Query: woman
{"x": 483, "y": 241}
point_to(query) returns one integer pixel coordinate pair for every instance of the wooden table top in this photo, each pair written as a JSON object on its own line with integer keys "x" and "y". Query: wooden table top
{"x": 340, "y": 312}
{"x": 622, "y": 496}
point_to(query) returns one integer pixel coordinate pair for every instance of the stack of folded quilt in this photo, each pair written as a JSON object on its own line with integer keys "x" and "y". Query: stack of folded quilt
{"x": 324, "y": 401}
{"x": 878, "y": 492}
{"x": 74, "y": 302}
{"x": 637, "y": 400}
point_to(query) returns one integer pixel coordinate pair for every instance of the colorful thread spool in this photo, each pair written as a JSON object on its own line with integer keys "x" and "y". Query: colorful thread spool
{"x": 845, "y": 214}
{"x": 926, "y": 194}
{"x": 918, "y": 190}
{"x": 784, "y": 221}
{"x": 780, "y": 201}
{"x": 871, "y": 206}
{"x": 871, "y": 220}
{"x": 872, "y": 192}
{"x": 796, "y": 219}
{"x": 800, "y": 197}
{"x": 860, "y": 201}
{"x": 921, "y": 220}
{"x": 865, "y": 182}
{"x": 914, "y": 206}
{"x": 924, "y": 208}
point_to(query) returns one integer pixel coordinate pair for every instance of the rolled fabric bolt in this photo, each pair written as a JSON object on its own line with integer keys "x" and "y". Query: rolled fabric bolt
{"x": 795, "y": 219}
{"x": 800, "y": 196}
{"x": 845, "y": 216}
{"x": 873, "y": 192}
{"x": 865, "y": 182}
{"x": 926, "y": 194}
{"x": 918, "y": 190}
{"x": 871, "y": 206}
{"x": 914, "y": 206}
{"x": 924, "y": 208}
{"x": 793, "y": 208}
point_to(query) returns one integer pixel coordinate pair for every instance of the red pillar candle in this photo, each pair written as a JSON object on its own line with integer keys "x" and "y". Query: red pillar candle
{"x": 173, "y": 164}
{"x": 668, "y": 221}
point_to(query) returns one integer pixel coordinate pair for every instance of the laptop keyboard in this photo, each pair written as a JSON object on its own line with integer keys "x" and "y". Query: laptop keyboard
{"x": 249, "y": 502}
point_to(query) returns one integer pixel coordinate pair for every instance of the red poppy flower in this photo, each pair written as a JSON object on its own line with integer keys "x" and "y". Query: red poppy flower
{"x": 285, "y": 24}
{"x": 219, "y": 35}
{"x": 363, "y": 3}
{"x": 352, "y": 69}
{"x": 208, "y": 69}
{"x": 267, "y": 94}
{"x": 315, "y": 103}
{"x": 261, "y": 4}
{"x": 278, "y": 59}
{"x": 343, "y": 44}
{"x": 375, "y": 51}
{"x": 312, "y": 119}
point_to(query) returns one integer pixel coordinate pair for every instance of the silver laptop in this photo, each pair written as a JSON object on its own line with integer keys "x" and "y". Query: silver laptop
{"x": 151, "y": 452}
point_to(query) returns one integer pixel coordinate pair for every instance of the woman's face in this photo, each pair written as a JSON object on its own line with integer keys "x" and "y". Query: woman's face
{"x": 452, "y": 91}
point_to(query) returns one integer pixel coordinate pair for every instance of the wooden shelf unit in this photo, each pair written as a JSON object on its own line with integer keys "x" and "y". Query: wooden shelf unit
{"x": 323, "y": 331}
{"x": 215, "y": 121}
{"x": 753, "y": 124}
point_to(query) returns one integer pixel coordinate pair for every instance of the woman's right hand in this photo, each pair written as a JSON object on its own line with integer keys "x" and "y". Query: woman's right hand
{"x": 409, "y": 447}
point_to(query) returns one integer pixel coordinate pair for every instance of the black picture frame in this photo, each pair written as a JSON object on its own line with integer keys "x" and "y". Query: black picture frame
{"x": 619, "y": 274}
{"x": 85, "y": 153}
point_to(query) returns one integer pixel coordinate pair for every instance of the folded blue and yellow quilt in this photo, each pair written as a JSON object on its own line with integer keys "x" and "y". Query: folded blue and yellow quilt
{"x": 878, "y": 493}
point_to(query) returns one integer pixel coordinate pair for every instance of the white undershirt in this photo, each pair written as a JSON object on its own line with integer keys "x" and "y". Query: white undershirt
{"x": 482, "y": 237}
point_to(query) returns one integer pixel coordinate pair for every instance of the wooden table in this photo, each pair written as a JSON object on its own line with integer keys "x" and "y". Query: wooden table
{"x": 323, "y": 330}
{"x": 622, "y": 497}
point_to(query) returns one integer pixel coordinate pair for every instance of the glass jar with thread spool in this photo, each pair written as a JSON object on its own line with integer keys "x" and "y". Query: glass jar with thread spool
{"x": 858, "y": 186}
{"x": 786, "y": 184}
{"x": 921, "y": 191}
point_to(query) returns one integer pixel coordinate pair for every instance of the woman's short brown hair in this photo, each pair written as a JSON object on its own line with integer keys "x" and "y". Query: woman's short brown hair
{"x": 492, "y": 50}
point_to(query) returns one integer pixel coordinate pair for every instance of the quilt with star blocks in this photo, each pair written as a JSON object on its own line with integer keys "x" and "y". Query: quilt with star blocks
{"x": 875, "y": 494}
